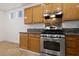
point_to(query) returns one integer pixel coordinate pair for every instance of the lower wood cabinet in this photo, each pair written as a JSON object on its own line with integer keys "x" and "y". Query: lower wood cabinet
{"x": 71, "y": 52}
{"x": 34, "y": 44}
{"x": 23, "y": 40}
{"x": 72, "y": 45}
{"x": 30, "y": 41}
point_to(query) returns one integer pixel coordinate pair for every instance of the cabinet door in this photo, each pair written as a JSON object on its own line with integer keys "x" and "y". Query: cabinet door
{"x": 77, "y": 7}
{"x": 57, "y": 5}
{"x": 71, "y": 45}
{"x": 47, "y": 7}
{"x": 51, "y": 7}
{"x": 28, "y": 15}
{"x": 70, "y": 11}
{"x": 24, "y": 40}
{"x": 37, "y": 14}
{"x": 34, "y": 44}
{"x": 71, "y": 52}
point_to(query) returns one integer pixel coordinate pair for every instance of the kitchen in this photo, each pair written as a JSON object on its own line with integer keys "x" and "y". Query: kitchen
{"x": 47, "y": 29}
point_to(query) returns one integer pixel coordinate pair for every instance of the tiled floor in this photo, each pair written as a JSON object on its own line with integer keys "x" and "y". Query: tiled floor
{"x": 12, "y": 49}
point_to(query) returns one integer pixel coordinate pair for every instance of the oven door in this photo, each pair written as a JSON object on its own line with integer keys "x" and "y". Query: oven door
{"x": 52, "y": 46}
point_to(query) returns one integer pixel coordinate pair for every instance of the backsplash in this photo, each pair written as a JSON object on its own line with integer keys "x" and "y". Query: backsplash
{"x": 66, "y": 24}
{"x": 34, "y": 26}
{"x": 71, "y": 24}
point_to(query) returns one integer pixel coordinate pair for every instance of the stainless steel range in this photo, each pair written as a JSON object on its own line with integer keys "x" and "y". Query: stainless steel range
{"x": 52, "y": 43}
{"x": 52, "y": 38}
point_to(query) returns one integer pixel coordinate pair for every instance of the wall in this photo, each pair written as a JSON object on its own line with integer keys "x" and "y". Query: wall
{"x": 71, "y": 24}
{"x": 16, "y": 25}
{"x": 2, "y": 25}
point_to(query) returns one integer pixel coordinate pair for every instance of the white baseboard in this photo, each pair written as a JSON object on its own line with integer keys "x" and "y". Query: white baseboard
{"x": 2, "y": 40}
{"x": 30, "y": 51}
{"x": 9, "y": 42}
{"x": 12, "y": 41}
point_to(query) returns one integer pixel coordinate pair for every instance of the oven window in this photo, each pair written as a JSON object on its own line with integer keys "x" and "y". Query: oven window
{"x": 52, "y": 45}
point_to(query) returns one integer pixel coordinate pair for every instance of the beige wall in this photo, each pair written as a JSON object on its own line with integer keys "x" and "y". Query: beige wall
{"x": 2, "y": 25}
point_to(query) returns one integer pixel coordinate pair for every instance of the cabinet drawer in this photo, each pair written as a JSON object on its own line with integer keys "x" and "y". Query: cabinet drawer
{"x": 34, "y": 35}
{"x": 23, "y": 37}
{"x": 71, "y": 44}
{"x": 22, "y": 34}
{"x": 72, "y": 37}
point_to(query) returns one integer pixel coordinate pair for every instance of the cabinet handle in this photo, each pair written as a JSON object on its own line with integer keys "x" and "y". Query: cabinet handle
{"x": 25, "y": 17}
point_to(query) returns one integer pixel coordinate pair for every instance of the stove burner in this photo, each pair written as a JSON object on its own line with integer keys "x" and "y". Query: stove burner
{"x": 52, "y": 32}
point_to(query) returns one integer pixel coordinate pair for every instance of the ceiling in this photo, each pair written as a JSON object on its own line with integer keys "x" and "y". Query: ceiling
{"x": 9, "y": 6}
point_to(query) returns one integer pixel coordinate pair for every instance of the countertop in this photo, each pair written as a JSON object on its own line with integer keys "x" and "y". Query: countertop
{"x": 71, "y": 31}
{"x": 34, "y": 31}
{"x": 67, "y": 31}
{"x": 31, "y": 32}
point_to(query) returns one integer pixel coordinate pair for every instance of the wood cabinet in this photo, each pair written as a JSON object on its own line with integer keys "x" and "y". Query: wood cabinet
{"x": 72, "y": 45}
{"x": 57, "y": 5}
{"x": 47, "y": 7}
{"x": 34, "y": 42}
{"x": 38, "y": 14}
{"x": 33, "y": 15}
{"x": 23, "y": 40}
{"x": 51, "y": 7}
{"x": 28, "y": 15}
{"x": 71, "y": 11}
{"x": 30, "y": 41}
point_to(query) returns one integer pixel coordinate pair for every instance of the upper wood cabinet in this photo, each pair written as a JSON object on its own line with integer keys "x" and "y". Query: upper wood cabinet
{"x": 38, "y": 14}
{"x": 57, "y": 5}
{"x": 52, "y": 6}
{"x": 47, "y": 7}
{"x": 28, "y": 15}
{"x": 71, "y": 11}
{"x": 33, "y": 15}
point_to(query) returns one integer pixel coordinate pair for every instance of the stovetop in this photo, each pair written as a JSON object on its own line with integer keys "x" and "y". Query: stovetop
{"x": 52, "y": 32}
